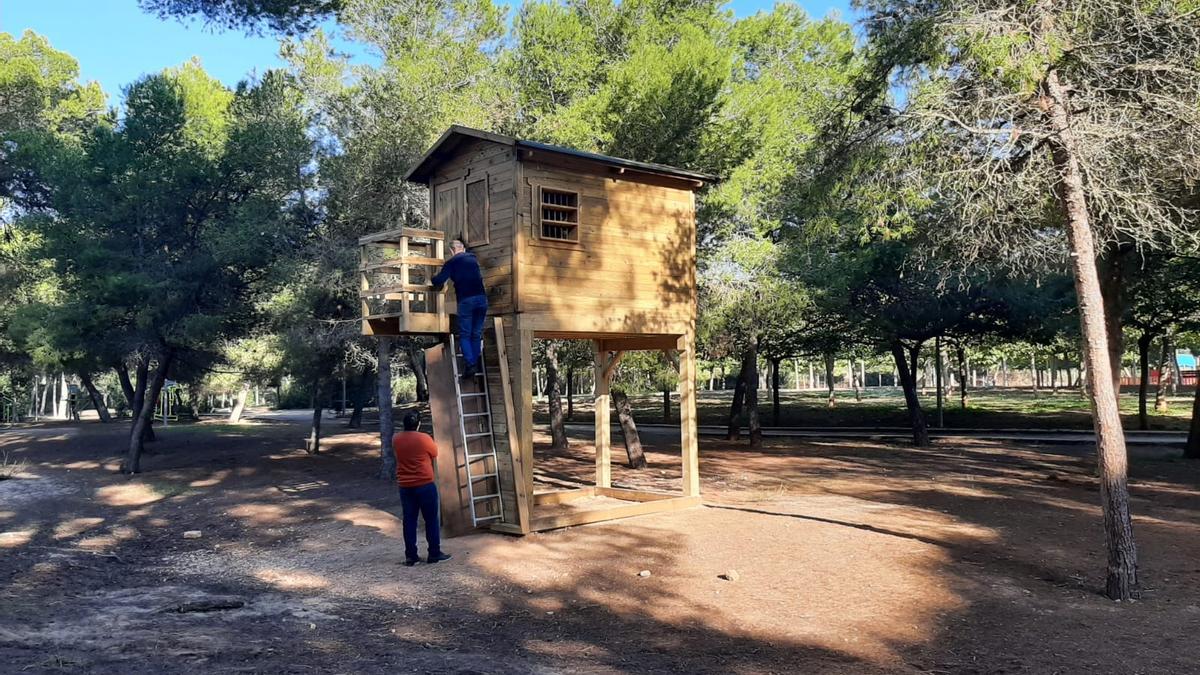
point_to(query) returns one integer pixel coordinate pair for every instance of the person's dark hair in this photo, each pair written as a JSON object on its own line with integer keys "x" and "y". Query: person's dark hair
{"x": 411, "y": 421}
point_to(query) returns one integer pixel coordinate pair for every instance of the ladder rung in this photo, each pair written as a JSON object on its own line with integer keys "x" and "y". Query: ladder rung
{"x": 482, "y": 414}
{"x": 479, "y": 435}
{"x": 479, "y": 456}
{"x": 484, "y": 475}
{"x": 480, "y": 520}
{"x": 482, "y": 393}
{"x": 483, "y": 497}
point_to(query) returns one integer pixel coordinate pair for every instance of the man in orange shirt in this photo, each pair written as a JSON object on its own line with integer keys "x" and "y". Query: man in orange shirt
{"x": 415, "y": 452}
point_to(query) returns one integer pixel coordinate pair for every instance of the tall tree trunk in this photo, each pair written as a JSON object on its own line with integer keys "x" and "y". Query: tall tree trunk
{"x": 629, "y": 432}
{"x": 42, "y": 405}
{"x": 908, "y": 382}
{"x": 775, "y": 391}
{"x": 752, "y": 384}
{"x": 961, "y": 352}
{"x": 829, "y": 366}
{"x": 1165, "y": 374}
{"x": 1192, "y": 449}
{"x": 558, "y": 432}
{"x": 239, "y": 406}
{"x": 416, "y": 363}
{"x": 383, "y": 371}
{"x": 735, "y": 408}
{"x": 1122, "y": 577}
{"x": 144, "y": 416}
{"x": 313, "y": 444}
{"x": 1143, "y": 345}
{"x": 1033, "y": 372}
{"x": 937, "y": 382}
{"x": 1053, "y": 373}
{"x": 193, "y": 404}
{"x": 1110, "y": 269}
{"x": 1176, "y": 373}
{"x": 570, "y": 393}
{"x": 97, "y": 399}
{"x": 62, "y": 407}
{"x": 666, "y": 405}
{"x": 139, "y": 396}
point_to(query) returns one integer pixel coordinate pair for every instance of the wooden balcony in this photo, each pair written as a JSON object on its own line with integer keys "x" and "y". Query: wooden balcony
{"x": 395, "y": 268}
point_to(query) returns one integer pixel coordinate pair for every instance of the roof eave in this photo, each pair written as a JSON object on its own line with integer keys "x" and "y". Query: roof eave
{"x": 423, "y": 169}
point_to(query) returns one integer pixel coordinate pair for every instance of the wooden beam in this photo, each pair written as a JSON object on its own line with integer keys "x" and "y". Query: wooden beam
{"x": 514, "y": 439}
{"x": 613, "y": 512}
{"x": 396, "y": 290}
{"x": 399, "y": 263}
{"x": 393, "y": 236}
{"x": 563, "y": 496}
{"x": 640, "y": 343}
{"x": 688, "y": 446}
{"x": 635, "y": 495}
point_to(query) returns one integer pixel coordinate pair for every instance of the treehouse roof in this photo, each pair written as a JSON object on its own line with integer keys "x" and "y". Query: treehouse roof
{"x": 456, "y": 135}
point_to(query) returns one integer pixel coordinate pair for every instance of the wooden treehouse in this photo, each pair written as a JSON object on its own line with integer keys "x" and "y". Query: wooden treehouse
{"x": 572, "y": 245}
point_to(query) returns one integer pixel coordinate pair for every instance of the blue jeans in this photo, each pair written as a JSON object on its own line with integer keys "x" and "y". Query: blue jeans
{"x": 421, "y": 500}
{"x": 471, "y": 313}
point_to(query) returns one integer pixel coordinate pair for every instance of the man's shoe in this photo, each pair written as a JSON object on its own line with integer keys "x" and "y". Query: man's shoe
{"x": 470, "y": 371}
{"x": 438, "y": 558}
{"x": 411, "y": 561}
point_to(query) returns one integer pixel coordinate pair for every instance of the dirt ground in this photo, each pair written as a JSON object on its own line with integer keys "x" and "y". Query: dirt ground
{"x": 851, "y": 557}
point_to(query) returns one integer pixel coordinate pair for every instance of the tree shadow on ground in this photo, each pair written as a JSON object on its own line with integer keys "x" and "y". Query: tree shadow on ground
{"x": 872, "y": 557}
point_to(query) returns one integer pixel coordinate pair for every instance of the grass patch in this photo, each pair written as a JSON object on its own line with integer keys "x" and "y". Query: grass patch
{"x": 884, "y": 407}
{"x": 9, "y": 467}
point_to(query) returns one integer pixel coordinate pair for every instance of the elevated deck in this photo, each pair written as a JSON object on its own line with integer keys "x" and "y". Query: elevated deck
{"x": 395, "y": 271}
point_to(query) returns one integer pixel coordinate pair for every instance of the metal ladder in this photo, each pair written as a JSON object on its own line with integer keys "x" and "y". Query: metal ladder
{"x": 478, "y": 458}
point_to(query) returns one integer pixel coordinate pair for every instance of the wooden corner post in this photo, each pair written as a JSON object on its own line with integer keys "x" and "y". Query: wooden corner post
{"x": 606, "y": 364}
{"x": 689, "y": 448}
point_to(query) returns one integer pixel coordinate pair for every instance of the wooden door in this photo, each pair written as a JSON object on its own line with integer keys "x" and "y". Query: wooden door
{"x": 449, "y": 208}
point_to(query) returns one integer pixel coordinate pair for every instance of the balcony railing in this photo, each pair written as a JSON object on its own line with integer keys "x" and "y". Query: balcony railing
{"x": 396, "y": 268}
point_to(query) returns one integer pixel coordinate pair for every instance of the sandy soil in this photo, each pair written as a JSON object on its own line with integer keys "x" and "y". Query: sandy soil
{"x": 851, "y": 557}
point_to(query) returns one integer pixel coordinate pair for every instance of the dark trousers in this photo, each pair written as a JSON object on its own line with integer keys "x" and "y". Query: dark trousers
{"x": 421, "y": 500}
{"x": 471, "y": 314}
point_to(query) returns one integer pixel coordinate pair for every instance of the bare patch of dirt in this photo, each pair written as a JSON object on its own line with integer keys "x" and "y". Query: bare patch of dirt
{"x": 843, "y": 557}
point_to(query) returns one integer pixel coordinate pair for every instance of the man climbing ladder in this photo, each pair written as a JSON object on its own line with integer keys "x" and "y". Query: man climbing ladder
{"x": 463, "y": 269}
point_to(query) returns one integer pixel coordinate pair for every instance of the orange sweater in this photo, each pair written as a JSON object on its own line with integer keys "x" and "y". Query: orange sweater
{"x": 415, "y": 452}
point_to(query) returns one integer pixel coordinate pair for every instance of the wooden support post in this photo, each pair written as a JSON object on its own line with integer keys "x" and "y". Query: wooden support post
{"x": 606, "y": 365}
{"x": 404, "y": 297}
{"x": 365, "y": 285}
{"x": 603, "y": 430}
{"x": 519, "y": 457}
{"x": 439, "y": 297}
{"x": 687, "y": 415}
{"x": 523, "y": 398}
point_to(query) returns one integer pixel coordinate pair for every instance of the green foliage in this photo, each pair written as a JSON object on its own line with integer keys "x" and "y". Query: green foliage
{"x": 165, "y": 226}
{"x": 285, "y": 16}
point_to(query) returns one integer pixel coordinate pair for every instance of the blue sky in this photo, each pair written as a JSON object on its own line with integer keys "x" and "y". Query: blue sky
{"x": 115, "y": 42}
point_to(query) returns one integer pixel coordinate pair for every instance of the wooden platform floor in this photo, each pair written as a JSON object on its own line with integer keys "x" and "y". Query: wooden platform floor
{"x": 596, "y": 503}
{"x": 565, "y": 508}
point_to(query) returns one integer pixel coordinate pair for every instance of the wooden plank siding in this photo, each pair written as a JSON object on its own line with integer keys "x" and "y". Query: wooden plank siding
{"x": 495, "y": 163}
{"x": 633, "y": 269}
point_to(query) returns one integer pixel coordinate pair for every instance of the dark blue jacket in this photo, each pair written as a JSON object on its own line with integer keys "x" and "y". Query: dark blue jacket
{"x": 463, "y": 270}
